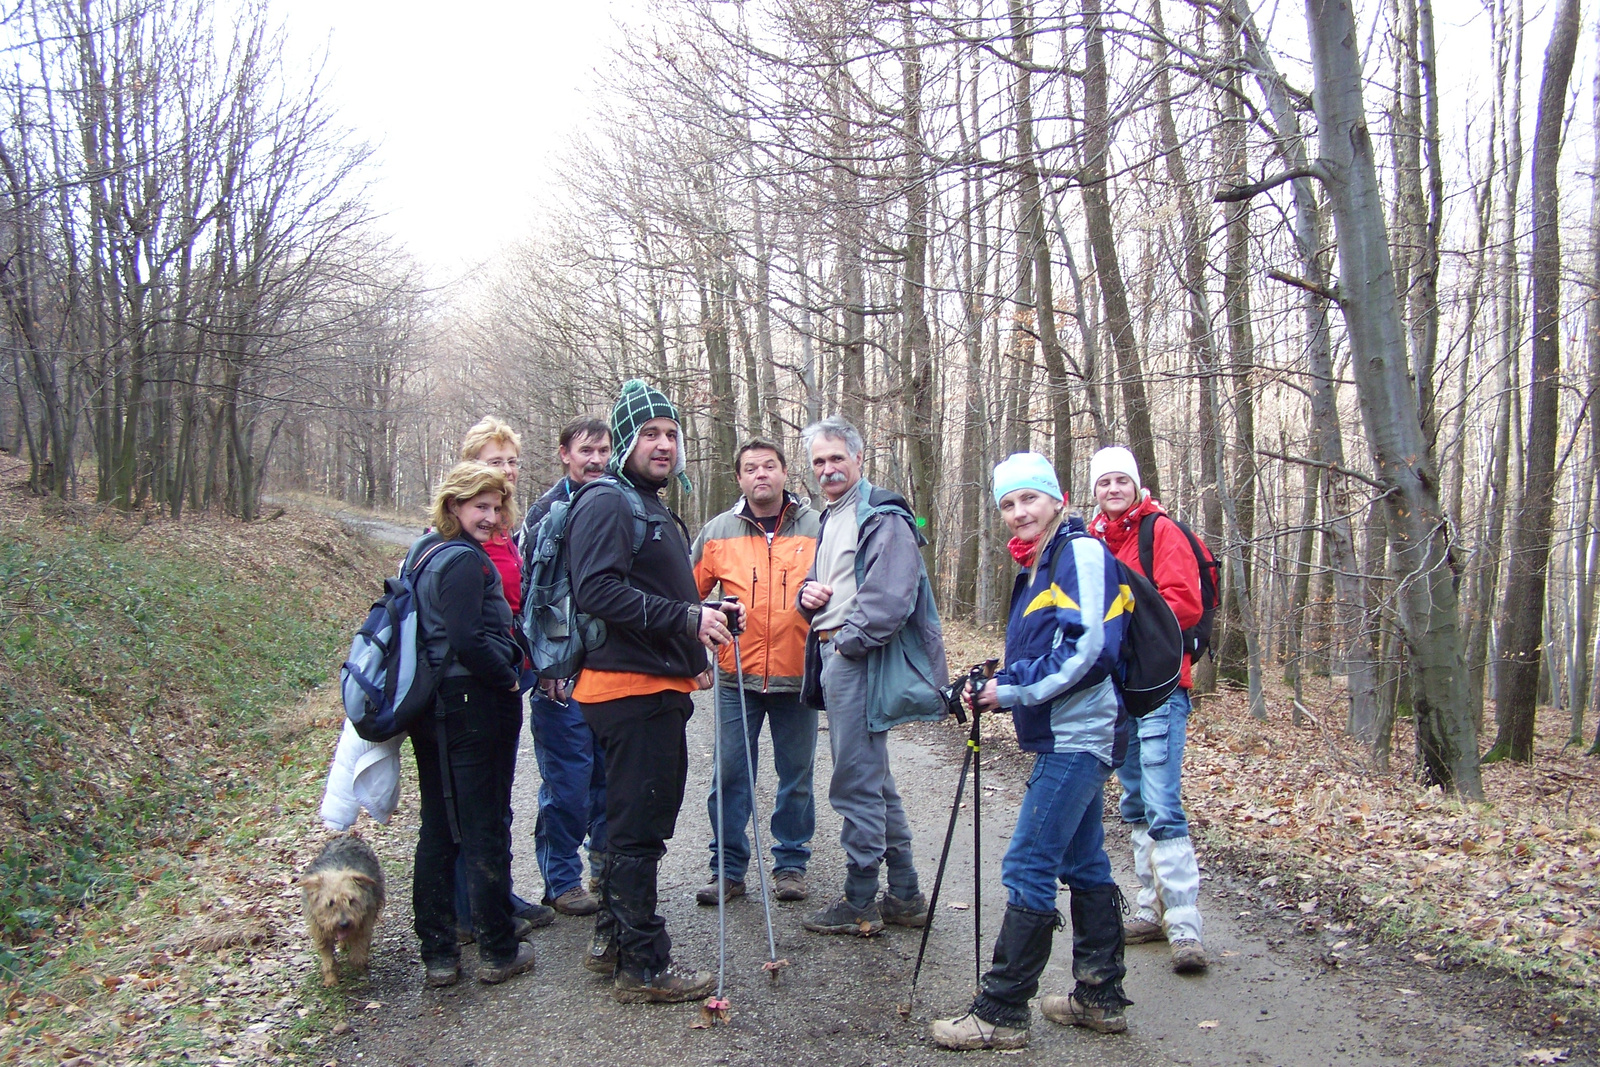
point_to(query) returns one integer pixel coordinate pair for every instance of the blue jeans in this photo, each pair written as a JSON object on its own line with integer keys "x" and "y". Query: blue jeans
{"x": 1152, "y": 772}
{"x": 794, "y": 753}
{"x": 572, "y": 793}
{"x": 1059, "y": 836}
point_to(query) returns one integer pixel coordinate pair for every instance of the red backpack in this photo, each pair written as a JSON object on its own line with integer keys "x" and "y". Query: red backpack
{"x": 1197, "y": 638}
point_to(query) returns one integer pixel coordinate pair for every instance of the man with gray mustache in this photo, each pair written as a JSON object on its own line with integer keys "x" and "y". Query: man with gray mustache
{"x": 874, "y": 659}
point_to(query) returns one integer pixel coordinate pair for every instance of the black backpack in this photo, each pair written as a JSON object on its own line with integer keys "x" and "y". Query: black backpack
{"x": 1151, "y": 659}
{"x": 558, "y": 637}
{"x": 1197, "y": 638}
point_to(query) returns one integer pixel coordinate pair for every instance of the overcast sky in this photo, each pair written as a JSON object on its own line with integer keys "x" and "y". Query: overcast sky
{"x": 466, "y": 105}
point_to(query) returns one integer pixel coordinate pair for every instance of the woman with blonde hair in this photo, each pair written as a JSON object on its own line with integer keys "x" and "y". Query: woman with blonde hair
{"x": 466, "y": 748}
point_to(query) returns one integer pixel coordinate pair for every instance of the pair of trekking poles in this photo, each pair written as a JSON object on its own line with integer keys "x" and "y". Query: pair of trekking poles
{"x": 716, "y": 1010}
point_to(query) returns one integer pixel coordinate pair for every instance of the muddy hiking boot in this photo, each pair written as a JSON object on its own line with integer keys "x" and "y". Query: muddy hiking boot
{"x": 843, "y": 917}
{"x": 1021, "y": 950}
{"x": 440, "y": 973}
{"x": 1138, "y": 931}
{"x": 706, "y": 895}
{"x": 1069, "y": 1011}
{"x": 521, "y": 963}
{"x": 1097, "y": 945}
{"x": 900, "y": 911}
{"x": 522, "y": 926}
{"x": 670, "y": 985}
{"x": 789, "y": 884}
{"x": 575, "y": 901}
{"x": 966, "y": 1032}
{"x": 535, "y": 915}
{"x": 1189, "y": 956}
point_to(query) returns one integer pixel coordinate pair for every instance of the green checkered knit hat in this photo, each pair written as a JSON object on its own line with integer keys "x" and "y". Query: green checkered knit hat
{"x": 637, "y": 405}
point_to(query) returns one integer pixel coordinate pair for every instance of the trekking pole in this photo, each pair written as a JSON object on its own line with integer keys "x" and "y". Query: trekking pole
{"x": 773, "y": 964}
{"x": 974, "y": 680}
{"x": 975, "y": 745}
{"x": 714, "y": 1009}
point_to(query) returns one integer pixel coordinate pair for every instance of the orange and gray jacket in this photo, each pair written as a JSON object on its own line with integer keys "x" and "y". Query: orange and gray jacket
{"x": 733, "y": 551}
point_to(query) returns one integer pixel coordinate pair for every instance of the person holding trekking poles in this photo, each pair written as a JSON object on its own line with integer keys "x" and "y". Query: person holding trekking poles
{"x": 1151, "y": 776}
{"x": 1063, "y": 639}
{"x": 466, "y": 747}
{"x": 629, "y": 559}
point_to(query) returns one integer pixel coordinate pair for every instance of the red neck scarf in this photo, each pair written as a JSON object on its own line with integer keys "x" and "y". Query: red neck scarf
{"x": 1024, "y": 552}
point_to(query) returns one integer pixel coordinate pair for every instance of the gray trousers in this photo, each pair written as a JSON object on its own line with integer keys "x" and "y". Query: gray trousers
{"x": 875, "y": 829}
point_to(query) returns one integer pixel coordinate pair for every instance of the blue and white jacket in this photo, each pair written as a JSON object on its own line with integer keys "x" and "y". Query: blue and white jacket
{"x": 1063, "y": 642}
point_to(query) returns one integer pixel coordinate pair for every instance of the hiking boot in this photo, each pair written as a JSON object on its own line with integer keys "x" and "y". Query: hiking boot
{"x": 1070, "y": 1011}
{"x": 843, "y": 917}
{"x": 575, "y": 901}
{"x": 671, "y": 985}
{"x": 789, "y": 884}
{"x": 707, "y": 894}
{"x": 602, "y": 957}
{"x": 913, "y": 912}
{"x": 521, "y": 963}
{"x": 1137, "y": 931}
{"x": 1189, "y": 956}
{"x": 442, "y": 973}
{"x": 970, "y": 1032}
{"x": 535, "y": 915}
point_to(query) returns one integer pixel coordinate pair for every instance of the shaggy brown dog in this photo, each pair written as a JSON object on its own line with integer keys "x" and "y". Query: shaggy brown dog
{"x": 343, "y": 897}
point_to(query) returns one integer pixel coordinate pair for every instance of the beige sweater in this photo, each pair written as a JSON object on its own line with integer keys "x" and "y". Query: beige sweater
{"x": 836, "y": 560}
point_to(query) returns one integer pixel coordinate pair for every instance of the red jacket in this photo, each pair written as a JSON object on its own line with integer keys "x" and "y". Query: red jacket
{"x": 509, "y": 563}
{"x": 1177, "y": 572}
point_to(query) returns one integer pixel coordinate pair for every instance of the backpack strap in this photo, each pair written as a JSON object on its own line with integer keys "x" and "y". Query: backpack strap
{"x": 1147, "y": 544}
{"x": 643, "y": 521}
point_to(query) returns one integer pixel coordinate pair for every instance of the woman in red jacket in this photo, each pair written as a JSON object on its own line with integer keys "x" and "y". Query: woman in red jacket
{"x": 1163, "y": 856}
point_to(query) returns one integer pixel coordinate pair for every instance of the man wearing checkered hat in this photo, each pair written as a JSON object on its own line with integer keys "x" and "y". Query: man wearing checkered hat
{"x": 630, "y": 568}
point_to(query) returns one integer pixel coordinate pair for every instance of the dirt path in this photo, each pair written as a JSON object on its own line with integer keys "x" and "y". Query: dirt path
{"x": 379, "y": 529}
{"x": 1270, "y": 998}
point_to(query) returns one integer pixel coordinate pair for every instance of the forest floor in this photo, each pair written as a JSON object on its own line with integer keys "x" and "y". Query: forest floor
{"x": 1352, "y": 917}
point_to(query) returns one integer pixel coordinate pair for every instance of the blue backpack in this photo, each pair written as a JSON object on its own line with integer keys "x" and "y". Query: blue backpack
{"x": 556, "y": 634}
{"x": 386, "y": 682}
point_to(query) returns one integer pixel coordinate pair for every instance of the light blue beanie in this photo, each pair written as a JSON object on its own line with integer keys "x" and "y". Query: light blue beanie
{"x": 1026, "y": 470}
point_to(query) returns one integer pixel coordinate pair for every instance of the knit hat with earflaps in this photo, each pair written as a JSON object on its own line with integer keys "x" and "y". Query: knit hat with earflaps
{"x": 638, "y": 403}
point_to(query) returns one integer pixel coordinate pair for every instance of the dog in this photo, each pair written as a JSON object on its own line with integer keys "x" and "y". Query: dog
{"x": 343, "y": 895}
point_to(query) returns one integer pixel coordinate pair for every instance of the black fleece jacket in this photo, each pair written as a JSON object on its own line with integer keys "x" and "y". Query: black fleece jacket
{"x": 462, "y": 608}
{"x": 646, "y": 599}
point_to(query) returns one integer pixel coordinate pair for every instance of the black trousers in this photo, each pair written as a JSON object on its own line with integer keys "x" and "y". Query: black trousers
{"x": 468, "y": 744}
{"x": 646, "y": 754}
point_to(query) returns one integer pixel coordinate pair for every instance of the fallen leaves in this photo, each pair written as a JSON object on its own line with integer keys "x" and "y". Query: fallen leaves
{"x": 1516, "y": 878}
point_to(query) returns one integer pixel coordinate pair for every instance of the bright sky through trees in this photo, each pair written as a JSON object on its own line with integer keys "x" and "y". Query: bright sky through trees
{"x": 467, "y": 104}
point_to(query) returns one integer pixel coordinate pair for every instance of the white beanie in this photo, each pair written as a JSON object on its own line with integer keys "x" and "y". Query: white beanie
{"x": 1025, "y": 470}
{"x": 1113, "y": 460}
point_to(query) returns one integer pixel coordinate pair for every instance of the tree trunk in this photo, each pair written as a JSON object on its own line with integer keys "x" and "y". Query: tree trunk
{"x": 920, "y": 383}
{"x": 1522, "y": 625}
{"x": 1426, "y": 595}
{"x": 1353, "y": 644}
{"x": 1102, "y": 239}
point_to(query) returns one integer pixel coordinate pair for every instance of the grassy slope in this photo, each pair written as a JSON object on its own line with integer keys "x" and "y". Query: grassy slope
{"x": 144, "y": 672}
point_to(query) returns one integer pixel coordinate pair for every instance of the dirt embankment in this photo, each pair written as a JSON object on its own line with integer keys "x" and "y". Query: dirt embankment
{"x": 148, "y": 761}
